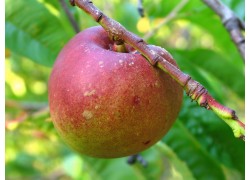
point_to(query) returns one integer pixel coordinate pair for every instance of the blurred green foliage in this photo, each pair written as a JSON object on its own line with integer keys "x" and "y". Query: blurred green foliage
{"x": 199, "y": 146}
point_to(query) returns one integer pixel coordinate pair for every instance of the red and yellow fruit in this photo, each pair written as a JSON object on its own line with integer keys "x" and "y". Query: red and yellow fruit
{"x": 109, "y": 104}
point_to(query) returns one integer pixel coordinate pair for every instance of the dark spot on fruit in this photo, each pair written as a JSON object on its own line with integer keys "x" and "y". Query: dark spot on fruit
{"x": 136, "y": 100}
{"x": 146, "y": 142}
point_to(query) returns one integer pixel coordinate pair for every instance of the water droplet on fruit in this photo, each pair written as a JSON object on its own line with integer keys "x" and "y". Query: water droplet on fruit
{"x": 101, "y": 64}
{"x": 120, "y": 61}
{"x": 87, "y": 114}
{"x": 131, "y": 63}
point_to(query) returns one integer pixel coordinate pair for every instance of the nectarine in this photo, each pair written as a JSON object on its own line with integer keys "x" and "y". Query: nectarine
{"x": 109, "y": 104}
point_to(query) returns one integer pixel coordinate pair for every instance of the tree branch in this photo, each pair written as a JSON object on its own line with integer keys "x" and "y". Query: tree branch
{"x": 233, "y": 24}
{"x": 33, "y": 110}
{"x": 25, "y": 106}
{"x": 168, "y": 18}
{"x": 140, "y": 8}
{"x": 70, "y": 16}
{"x": 160, "y": 58}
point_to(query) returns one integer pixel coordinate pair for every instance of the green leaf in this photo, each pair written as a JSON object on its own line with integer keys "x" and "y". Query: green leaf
{"x": 198, "y": 14}
{"x": 214, "y": 65}
{"x": 232, "y": 174}
{"x": 35, "y": 31}
{"x": 21, "y": 166}
{"x": 163, "y": 163}
{"x": 153, "y": 9}
{"x": 213, "y": 135}
{"x": 128, "y": 11}
{"x": 73, "y": 166}
{"x": 33, "y": 49}
{"x": 178, "y": 165}
{"x": 189, "y": 150}
{"x": 210, "y": 23}
{"x": 101, "y": 169}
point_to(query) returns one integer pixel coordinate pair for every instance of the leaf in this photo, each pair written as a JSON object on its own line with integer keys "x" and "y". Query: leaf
{"x": 202, "y": 165}
{"x": 153, "y": 8}
{"x": 35, "y": 32}
{"x": 197, "y": 14}
{"x": 232, "y": 174}
{"x": 178, "y": 164}
{"x": 33, "y": 49}
{"x": 210, "y": 23}
{"x": 21, "y": 166}
{"x": 215, "y": 65}
{"x": 163, "y": 163}
{"x": 73, "y": 166}
{"x": 101, "y": 169}
{"x": 213, "y": 135}
{"x": 124, "y": 11}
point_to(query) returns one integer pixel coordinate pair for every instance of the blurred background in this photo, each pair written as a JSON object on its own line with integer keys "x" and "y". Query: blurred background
{"x": 199, "y": 146}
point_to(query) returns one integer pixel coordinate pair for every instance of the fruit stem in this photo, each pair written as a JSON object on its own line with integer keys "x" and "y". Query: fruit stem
{"x": 160, "y": 58}
{"x": 120, "y": 47}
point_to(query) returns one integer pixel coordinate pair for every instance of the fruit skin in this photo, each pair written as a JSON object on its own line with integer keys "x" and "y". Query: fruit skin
{"x": 109, "y": 104}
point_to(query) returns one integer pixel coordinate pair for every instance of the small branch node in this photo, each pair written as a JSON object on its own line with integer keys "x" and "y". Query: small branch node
{"x": 72, "y": 2}
{"x": 141, "y": 11}
{"x": 186, "y": 81}
{"x": 242, "y": 137}
{"x": 140, "y": 8}
{"x": 234, "y": 117}
{"x": 231, "y": 23}
{"x": 201, "y": 90}
{"x": 155, "y": 59}
{"x": 100, "y": 14}
{"x": 140, "y": 41}
{"x": 192, "y": 91}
